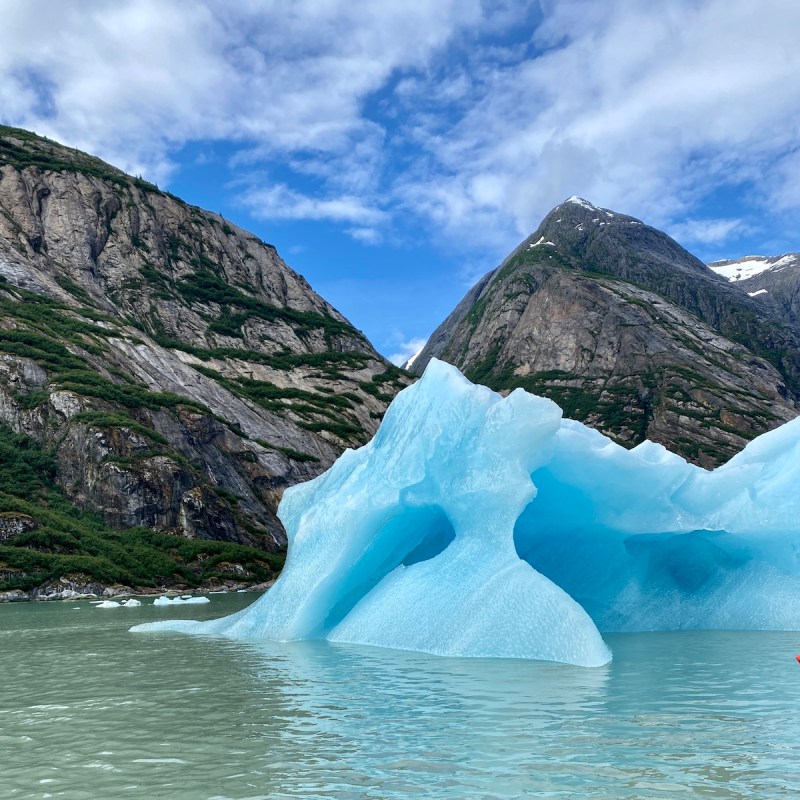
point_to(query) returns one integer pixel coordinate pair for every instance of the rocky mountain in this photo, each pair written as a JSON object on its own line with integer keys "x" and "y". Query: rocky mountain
{"x": 177, "y": 374}
{"x": 629, "y": 333}
{"x": 773, "y": 280}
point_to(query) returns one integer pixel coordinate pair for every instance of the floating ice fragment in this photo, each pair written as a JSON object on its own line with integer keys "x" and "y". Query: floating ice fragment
{"x": 108, "y": 604}
{"x": 180, "y": 601}
{"x": 162, "y": 601}
{"x": 132, "y": 603}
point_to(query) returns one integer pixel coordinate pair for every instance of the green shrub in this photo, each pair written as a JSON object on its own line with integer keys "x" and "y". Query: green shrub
{"x": 69, "y": 540}
{"x": 99, "y": 419}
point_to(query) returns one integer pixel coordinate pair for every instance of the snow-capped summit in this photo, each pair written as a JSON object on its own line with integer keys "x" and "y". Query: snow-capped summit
{"x": 579, "y": 201}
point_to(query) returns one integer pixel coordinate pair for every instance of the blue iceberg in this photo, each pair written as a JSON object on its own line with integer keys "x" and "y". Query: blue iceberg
{"x": 479, "y": 525}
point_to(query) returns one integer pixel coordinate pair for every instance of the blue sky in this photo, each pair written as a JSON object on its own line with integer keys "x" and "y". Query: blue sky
{"x": 395, "y": 151}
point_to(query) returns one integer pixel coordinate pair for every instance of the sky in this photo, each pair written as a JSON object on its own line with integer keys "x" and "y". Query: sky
{"x": 394, "y": 152}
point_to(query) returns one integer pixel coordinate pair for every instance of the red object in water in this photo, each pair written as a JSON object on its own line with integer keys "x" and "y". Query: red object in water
{"x": 798, "y": 658}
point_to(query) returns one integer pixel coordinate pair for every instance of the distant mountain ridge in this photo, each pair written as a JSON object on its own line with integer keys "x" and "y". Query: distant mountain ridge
{"x": 630, "y": 333}
{"x": 175, "y": 370}
{"x": 773, "y": 280}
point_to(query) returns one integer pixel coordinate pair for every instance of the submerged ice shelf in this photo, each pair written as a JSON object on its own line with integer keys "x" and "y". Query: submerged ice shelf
{"x": 477, "y": 525}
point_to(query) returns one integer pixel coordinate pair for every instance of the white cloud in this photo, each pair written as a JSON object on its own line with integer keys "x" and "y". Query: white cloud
{"x": 708, "y": 231}
{"x": 132, "y": 79}
{"x": 407, "y": 350}
{"x": 782, "y": 182}
{"x": 370, "y": 236}
{"x": 445, "y": 112}
{"x": 278, "y": 201}
{"x": 638, "y": 106}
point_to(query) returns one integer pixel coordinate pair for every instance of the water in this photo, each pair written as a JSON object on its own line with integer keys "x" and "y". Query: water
{"x": 88, "y": 710}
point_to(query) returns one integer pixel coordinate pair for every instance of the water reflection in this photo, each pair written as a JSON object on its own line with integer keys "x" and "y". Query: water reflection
{"x": 407, "y": 722}
{"x": 692, "y": 713}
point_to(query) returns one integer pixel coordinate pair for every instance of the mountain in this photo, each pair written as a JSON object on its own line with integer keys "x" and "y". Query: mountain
{"x": 177, "y": 374}
{"x": 629, "y": 333}
{"x": 773, "y": 280}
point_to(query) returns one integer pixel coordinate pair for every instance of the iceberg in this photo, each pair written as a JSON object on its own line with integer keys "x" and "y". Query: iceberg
{"x": 486, "y": 526}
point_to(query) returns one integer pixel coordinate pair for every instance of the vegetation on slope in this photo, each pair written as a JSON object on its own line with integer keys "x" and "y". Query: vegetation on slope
{"x": 38, "y": 152}
{"x": 140, "y": 268}
{"x": 63, "y": 540}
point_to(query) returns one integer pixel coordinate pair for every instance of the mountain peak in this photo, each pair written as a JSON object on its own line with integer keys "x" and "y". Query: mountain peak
{"x": 207, "y": 373}
{"x": 22, "y": 149}
{"x": 628, "y": 332}
{"x": 579, "y": 201}
{"x": 774, "y": 280}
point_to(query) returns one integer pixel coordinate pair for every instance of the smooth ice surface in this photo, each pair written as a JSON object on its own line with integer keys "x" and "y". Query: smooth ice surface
{"x": 408, "y": 541}
{"x": 477, "y": 525}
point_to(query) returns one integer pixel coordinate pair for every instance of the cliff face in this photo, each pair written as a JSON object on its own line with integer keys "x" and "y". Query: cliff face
{"x": 181, "y": 374}
{"x": 629, "y": 333}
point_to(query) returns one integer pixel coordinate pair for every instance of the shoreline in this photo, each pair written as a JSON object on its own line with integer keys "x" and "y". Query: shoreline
{"x": 67, "y": 590}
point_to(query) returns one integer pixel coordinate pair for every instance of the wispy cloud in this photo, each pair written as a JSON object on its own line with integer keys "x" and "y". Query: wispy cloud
{"x": 641, "y": 107}
{"x": 278, "y": 201}
{"x": 708, "y": 231}
{"x": 406, "y": 350}
{"x": 133, "y": 79}
{"x": 472, "y": 118}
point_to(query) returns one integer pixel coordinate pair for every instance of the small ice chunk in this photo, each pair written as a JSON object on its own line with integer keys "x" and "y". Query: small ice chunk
{"x": 108, "y": 604}
{"x": 132, "y": 603}
{"x": 162, "y": 601}
{"x": 187, "y": 599}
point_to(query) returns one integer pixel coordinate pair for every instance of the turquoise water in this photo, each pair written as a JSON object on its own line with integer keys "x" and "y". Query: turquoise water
{"x": 88, "y": 710}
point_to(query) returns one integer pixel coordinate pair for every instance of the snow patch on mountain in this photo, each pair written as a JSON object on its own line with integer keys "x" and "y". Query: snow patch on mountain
{"x": 750, "y": 266}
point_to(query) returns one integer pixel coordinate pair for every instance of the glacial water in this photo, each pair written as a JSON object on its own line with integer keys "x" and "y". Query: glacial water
{"x": 89, "y": 710}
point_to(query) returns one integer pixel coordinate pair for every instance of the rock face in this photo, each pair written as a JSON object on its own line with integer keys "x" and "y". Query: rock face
{"x": 179, "y": 371}
{"x": 629, "y": 333}
{"x": 13, "y": 523}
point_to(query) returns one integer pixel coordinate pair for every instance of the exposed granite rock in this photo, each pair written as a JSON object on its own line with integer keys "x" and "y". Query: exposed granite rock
{"x": 13, "y": 523}
{"x": 630, "y": 333}
{"x": 180, "y": 371}
{"x": 76, "y": 587}
{"x": 14, "y": 596}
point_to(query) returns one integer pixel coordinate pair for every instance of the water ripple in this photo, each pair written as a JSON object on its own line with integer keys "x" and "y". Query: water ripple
{"x": 88, "y": 710}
